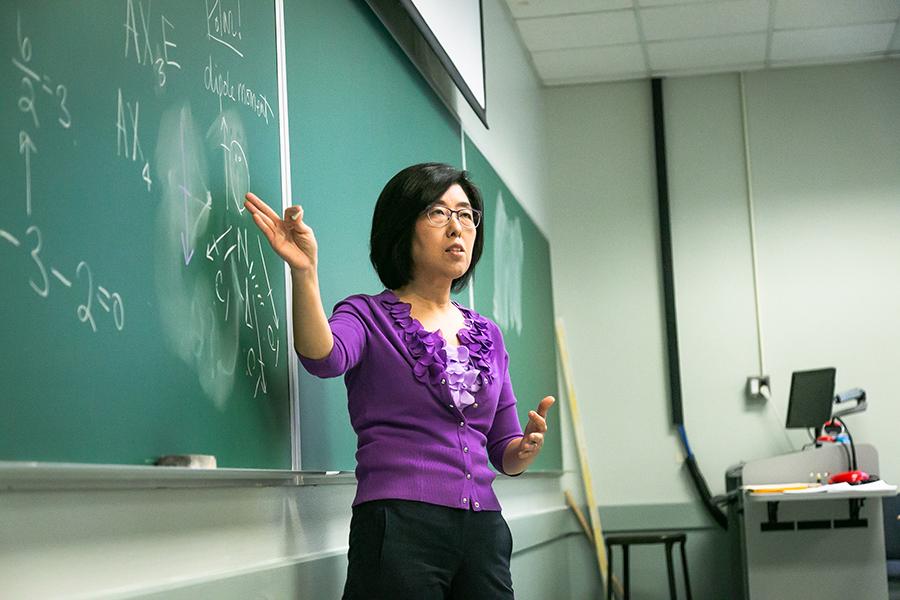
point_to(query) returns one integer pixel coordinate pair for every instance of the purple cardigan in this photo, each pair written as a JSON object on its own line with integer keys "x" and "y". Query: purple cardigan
{"x": 413, "y": 443}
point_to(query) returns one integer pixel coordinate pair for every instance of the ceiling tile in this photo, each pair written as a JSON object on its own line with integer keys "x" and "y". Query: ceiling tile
{"x": 831, "y": 41}
{"x": 738, "y": 50}
{"x": 575, "y": 31}
{"x": 588, "y": 63}
{"x": 797, "y": 14}
{"x": 542, "y": 8}
{"x": 703, "y": 20}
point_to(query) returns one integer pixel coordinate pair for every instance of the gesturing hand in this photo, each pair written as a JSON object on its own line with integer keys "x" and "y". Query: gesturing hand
{"x": 290, "y": 237}
{"x": 533, "y": 437}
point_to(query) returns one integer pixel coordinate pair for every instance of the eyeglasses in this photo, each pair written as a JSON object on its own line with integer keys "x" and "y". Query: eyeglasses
{"x": 439, "y": 216}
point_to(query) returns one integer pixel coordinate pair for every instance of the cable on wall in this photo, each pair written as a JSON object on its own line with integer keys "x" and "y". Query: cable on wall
{"x": 665, "y": 238}
{"x": 760, "y": 385}
{"x": 751, "y": 218}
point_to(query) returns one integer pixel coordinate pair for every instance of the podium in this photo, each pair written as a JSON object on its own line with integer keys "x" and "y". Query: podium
{"x": 806, "y": 546}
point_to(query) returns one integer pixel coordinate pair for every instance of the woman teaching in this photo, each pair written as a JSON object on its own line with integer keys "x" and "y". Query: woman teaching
{"x": 428, "y": 392}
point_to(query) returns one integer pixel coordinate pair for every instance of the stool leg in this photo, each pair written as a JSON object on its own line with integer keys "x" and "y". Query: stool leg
{"x": 627, "y": 572}
{"x": 672, "y": 593}
{"x": 684, "y": 570}
{"x": 609, "y": 572}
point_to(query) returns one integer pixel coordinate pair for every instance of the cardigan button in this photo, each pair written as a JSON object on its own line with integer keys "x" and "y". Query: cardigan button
{"x": 475, "y": 405}
{"x": 468, "y": 476}
{"x": 443, "y": 381}
{"x": 466, "y": 449}
{"x": 462, "y": 423}
{"x": 477, "y": 505}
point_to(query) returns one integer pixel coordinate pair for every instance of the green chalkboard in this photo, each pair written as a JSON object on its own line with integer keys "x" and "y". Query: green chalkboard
{"x": 360, "y": 112}
{"x": 513, "y": 287}
{"x": 142, "y": 313}
{"x": 140, "y": 316}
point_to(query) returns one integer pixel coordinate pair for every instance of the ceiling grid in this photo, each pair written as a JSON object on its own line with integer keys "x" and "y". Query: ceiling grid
{"x": 584, "y": 41}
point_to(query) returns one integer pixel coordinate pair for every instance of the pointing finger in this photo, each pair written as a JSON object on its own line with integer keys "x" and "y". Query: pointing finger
{"x": 256, "y": 202}
{"x": 261, "y": 217}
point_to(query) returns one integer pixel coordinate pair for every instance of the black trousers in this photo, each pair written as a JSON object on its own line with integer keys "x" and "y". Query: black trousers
{"x": 412, "y": 550}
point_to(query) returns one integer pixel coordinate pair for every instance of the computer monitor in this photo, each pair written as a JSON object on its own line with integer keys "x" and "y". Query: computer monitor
{"x": 811, "y": 399}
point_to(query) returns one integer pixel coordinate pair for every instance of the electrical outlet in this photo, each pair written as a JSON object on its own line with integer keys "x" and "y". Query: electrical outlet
{"x": 758, "y": 387}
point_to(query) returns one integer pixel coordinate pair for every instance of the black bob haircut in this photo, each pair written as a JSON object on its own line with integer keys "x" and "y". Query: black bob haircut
{"x": 403, "y": 199}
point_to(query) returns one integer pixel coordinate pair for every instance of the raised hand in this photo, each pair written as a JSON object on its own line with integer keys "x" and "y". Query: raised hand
{"x": 291, "y": 238}
{"x": 533, "y": 437}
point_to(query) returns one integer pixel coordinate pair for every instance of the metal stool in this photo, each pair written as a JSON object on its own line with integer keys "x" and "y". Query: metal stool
{"x": 629, "y": 539}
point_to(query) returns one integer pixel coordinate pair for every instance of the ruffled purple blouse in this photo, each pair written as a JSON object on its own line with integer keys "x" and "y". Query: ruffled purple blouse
{"x": 462, "y": 379}
{"x": 428, "y": 347}
{"x": 428, "y": 417}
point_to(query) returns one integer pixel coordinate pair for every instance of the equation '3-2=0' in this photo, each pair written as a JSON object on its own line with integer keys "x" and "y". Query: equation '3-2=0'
{"x": 110, "y": 302}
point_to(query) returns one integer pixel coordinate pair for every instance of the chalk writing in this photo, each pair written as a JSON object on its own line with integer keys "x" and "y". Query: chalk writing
{"x": 109, "y": 302}
{"x": 237, "y": 171}
{"x": 237, "y": 276}
{"x": 26, "y": 147}
{"x": 31, "y": 77}
{"x": 74, "y": 231}
{"x": 223, "y": 25}
{"x": 257, "y": 102}
{"x": 274, "y": 342}
{"x": 228, "y": 326}
{"x": 40, "y": 281}
{"x": 219, "y": 83}
{"x": 128, "y": 115}
{"x": 215, "y": 246}
{"x": 62, "y": 278}
{"x": 508, "y": 275}
{"x": 65, "y": 119}
{"x": 27, "y": 103}
{"x": 84, "y": 310}
{"x": 42, "y": 290}
{"x": 141, "y": 40}
{"x": 165, "y": 60}
{"x": 24, "y": 42}
{"x": 10, "y": 238}
{"x": 186, "y": 248}
{"x": 259, "y": 371}
{"x": 268, "y": 285}
{"x": 27, "y": 99}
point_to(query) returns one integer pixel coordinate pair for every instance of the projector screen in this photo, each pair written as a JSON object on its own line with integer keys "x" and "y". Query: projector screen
{"x": 453, "y": 33}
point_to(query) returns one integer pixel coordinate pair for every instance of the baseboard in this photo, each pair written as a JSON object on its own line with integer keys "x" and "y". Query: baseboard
{"x": 321, "y": 576}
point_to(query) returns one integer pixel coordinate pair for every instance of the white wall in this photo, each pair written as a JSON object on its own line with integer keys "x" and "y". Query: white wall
{"x": 714, "y": 276}
{"x": 62, "y": 544}
{"x": 607, "y": 286}
{"x": 825, "y": 149}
